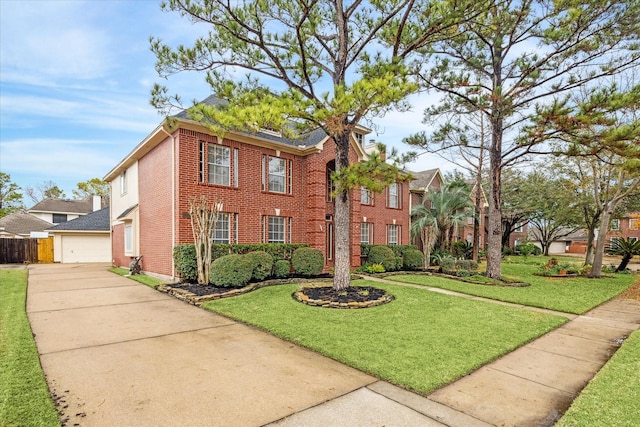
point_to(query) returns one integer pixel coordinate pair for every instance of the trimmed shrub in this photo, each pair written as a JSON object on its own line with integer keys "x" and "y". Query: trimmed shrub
{"x": 307, "y": 261}
{"x": 262, "y": 264}
{"x": 231, "y": 271}
{"x": 413, "y": 259}
{"x": 186, "y": 263}
{"x": 448, "y": 265}
{"x": 282, "y": 269}
{"x": 460, "y": 267}
{"x": 382, "y": 254}
{"x": 399, "y": 263}
{"x": 276, "y": 250}
{"x": 398, "y": 250}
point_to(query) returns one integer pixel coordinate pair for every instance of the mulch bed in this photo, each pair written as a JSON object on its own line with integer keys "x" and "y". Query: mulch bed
{"x": 352, "y": 297}
{"x": 201, "y": 290}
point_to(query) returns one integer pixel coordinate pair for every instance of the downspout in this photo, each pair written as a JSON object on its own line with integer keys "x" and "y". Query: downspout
{"x": 173, "y": 198}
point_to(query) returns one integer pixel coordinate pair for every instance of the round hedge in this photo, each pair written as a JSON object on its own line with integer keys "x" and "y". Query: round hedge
{"x": 307, "y": 261}
{"x": 262, "y": 264}
{"x": 382, "y": 255}
{"x": 231, "y": 271}
{"x": 282, "y": 269}
{"x": 413, "y": 259}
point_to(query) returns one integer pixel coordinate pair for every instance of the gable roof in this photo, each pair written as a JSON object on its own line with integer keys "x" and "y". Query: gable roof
{"x": 94, "y": 221}
{"x": 68, "y": 206}
{"x": 22, "y": 223}
{"x": 422, "y": 180}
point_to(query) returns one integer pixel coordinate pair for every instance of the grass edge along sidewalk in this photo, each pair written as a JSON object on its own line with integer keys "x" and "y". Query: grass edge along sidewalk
{"x": 611, "y": 397}
{"x": 420, "y": 341}
{"x": 575, "y": 295}
{"x": 24, "y": 395}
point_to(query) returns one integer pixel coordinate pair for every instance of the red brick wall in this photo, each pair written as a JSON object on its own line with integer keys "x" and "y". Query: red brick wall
{"x": 307, "y": 206}
{"x": 154, "y": 186}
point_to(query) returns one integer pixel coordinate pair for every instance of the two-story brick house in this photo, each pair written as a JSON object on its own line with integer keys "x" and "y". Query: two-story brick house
{"x": 270, "y": 189}
{"x": 627, "y": 227}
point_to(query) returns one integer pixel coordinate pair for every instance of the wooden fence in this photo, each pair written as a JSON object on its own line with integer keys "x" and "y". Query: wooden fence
{"x": 19, "y": 251}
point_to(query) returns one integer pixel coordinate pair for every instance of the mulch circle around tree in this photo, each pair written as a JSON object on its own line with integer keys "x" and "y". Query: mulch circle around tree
{"x": 352, "y": 297}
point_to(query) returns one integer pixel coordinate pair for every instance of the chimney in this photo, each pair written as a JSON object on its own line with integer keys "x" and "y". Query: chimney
{"x": 97, "y": 203}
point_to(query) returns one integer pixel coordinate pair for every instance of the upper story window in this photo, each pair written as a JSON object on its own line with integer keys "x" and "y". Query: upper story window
{"x": 518, "y": 228}
{"x": 615, "y": 224}
{"x": 215, "y": 164}
{"x": 366, "y": 196}
{"x": 276, "y": 174}
{"x": 359, "y": 138}
{"x": 393, "y": 196}
{"x": 123, "y": 183}
{"x": 634, "y": 223}
{"x": 58, "y": 218}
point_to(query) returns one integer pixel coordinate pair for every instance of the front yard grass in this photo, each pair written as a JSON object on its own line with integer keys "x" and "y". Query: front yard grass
{"x": 420, "y": 341}
{"x": 150, "y": 281}
{"x": 611, "y": 398}
{"x": 24, "y": 395}
{"x": 570, "y": 295}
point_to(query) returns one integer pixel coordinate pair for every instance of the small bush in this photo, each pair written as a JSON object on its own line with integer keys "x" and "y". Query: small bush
{"x": 412, "y": 260}
{"x": 186, "y": 263}
{"x": 262, "y": 264}
{"x": 373, "y": 268}
{"x": 307, "y": 261}
{"x": 462, "y": 249}
{"x": 448, "y": 265}
{"x": 399, "y": 263}
{"x": 382, "y": 255}
{"x": 231, "y": 271}
{"x": 282, "y": 269}
{"x": 526, "y": 249}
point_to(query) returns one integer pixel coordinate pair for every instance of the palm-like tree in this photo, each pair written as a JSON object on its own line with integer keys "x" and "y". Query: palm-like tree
{"x": 434, "y": 221}
{"x": 626, "y": 248}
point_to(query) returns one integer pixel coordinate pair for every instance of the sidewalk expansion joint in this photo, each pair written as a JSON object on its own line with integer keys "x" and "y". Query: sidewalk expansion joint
{"x": 37, "y": 291}
{"x": 572, "y": 394}
{"x": 95, "y": 306}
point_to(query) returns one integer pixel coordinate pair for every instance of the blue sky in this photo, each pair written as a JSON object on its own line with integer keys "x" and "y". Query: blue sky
{"x": 75, "y": 78}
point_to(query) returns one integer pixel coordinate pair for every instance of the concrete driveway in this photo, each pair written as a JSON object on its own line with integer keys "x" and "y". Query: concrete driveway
{"x": 117, "y": 353}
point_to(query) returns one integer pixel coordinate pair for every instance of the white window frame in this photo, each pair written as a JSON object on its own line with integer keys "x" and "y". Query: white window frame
{"x": 366, "y": 196}
{"x": 393, "y": 234}
{"x": 123, "y": 183}
{"x": 365, "y": 233}
{"x": 128, "y": 238}
{"x": 277, "y": 175}
{"x": 276, "y": 229}
{"x": 394, "y": 196}
{"x": 218, "y": 165}
{"x": 221, "y": 234}
{"x": 615, "y": 224}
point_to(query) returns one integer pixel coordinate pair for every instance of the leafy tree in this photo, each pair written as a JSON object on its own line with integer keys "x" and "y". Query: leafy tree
{"x": 322, "y": 66}
{"x": 626, "y": 248}
{"x": 92, "y": 187}
{"x": 10, "y": 196}
{"x": 46, "y": 190}
{"x": 516, "y": 55}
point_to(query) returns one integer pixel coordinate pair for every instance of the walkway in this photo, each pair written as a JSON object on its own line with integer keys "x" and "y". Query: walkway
{"x": 119, "y": 353}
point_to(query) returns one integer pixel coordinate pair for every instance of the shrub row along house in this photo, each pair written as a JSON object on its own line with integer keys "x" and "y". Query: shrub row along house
{"x": 270, "y": 189}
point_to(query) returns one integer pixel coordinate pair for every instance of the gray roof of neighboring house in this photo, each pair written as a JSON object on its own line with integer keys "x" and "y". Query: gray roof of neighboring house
{"x": 64, "y": 206}
{"x": 94, "y": 221}
{"x": 308, "y": 140}
{"x": 422, "y": 179}
{"x": 22, "y": 223}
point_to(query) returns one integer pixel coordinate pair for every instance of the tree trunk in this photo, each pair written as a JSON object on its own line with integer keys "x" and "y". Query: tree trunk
{"x": 476, "y": 216}
{"x": 596, "y": 269}
{"x": 624, "y": 263}
{"x": 494, "y": 239}
{"x": 342, "y": 222}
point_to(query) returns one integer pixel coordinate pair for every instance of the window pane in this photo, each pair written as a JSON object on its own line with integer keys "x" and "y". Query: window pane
{"x": 277, "y": 174}
{"x": 365, "y": 198}
{"x": 221, "y": 230}
{"x": 393, "y": 234}
{"x": 393, "y": 196}
{"x": 218, "y": 165}
{"x": 128, "y": 238}
{"x": 364, "y": 233}
{"x": 276, "y": 230}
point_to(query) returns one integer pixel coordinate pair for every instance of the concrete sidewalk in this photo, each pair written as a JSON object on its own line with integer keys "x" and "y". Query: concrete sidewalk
{"x": 119, "y": 353}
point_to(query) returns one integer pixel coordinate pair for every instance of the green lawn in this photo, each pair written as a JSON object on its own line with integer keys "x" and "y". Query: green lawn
{"x": 150, "y": 281}
{"x": 24, "y": 396}
{"x": 571, "y": 295}
{"x": 612, "y": 398}
{"x": 420, "y": 341}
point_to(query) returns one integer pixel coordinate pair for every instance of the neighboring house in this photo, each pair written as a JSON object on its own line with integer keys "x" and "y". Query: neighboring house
{"x": 465, "y": 232}
{"x": 22, "y": 225}
{"x": 627, "y": 227}
{"x": 57, "y": 211}
{"x": 422, "y": 182}
{"x": 84, "y": 239}
{"x": 574, "y": 243}
{"x": 270, "y": 189}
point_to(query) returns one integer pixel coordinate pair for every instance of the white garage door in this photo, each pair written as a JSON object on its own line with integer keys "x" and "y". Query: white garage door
{"x": 86, "y": 249}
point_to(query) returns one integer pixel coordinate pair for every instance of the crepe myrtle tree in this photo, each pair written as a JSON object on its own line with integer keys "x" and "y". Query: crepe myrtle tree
{"x": 517, "y": 55}
{"x": 324, "y": 64}
{"x": 204, "y": 216}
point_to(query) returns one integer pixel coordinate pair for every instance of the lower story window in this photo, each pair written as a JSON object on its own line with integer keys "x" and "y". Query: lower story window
{"x": 278, "y": 229}
{"x": 365, "y": 232}
{"x": 221, "y": 229}
{"x": 393, "y": 233}
{"x": 128, "y": 238}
